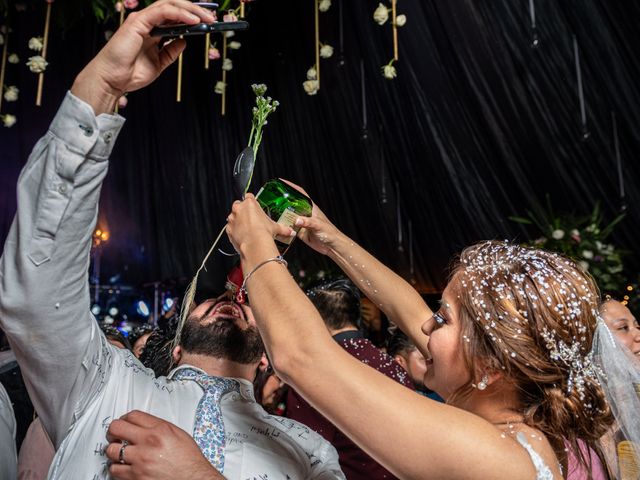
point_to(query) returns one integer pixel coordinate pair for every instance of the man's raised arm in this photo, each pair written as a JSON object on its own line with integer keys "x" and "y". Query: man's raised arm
{"x": 44, "y": 298}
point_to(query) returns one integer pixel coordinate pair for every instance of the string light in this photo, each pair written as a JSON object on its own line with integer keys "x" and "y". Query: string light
{"x": 100, "y": 236}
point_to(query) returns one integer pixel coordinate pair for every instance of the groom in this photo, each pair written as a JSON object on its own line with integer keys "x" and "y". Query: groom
{"x": 80, "y": 386}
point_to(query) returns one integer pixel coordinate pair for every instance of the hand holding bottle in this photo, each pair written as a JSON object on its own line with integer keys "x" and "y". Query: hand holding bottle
{"x": 248, "y": 226}
{"x": 317, "y": 231}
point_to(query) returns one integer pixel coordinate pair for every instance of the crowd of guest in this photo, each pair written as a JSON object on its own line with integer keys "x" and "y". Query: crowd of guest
{"x": 521, "y": 372}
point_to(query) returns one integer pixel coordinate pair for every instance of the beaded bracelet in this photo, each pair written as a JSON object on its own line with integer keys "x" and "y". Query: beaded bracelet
{"x": 243, "y": 289}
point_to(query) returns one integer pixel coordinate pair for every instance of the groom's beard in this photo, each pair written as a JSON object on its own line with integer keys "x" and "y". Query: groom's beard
{"x": 223, "y": 338}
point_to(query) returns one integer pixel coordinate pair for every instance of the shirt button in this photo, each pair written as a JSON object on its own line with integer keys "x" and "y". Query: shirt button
{"x": 88, "y": 131}
{"x": 62, "y": 188}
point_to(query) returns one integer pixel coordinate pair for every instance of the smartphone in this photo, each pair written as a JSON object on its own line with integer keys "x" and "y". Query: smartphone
{"x": 197, "y": 29}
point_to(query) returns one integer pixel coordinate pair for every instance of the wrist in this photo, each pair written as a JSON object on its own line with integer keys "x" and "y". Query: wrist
{"x": 339, "y": 246}
{"x": 91, "y": 89}
{"x": 257, "y": 250}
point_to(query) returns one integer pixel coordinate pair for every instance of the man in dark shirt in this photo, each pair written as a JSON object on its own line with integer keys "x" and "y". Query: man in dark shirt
{"x": 339, "y": 305}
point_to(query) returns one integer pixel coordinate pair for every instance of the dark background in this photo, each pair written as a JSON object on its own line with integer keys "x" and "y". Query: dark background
{"x": 478, "y": 126}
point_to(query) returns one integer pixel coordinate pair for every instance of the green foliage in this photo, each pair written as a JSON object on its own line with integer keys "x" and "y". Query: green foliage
{"x": 583, "y": 238}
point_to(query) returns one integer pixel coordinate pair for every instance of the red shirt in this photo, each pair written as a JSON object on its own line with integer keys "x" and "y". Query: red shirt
{"x": 355, "y": 463}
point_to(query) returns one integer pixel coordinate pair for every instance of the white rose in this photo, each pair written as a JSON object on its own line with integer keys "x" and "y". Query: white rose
{"x": 381, "y": 15}
{"x": 310, "y": 87}
{"x": 312, "y": 74}
{"x": 326, "y": 51}
{"x": 227, "y": 64}
{"x": 401, "y": 20}
{"x": 389, "y": 71}
{"x": 14, "y": 58}
{"x": 583, "y": 265}
{"x": 11, "y": 94}
{"x": 234, "y": 45}
{"x": 37, "y": 64}
{"x": 588, "y": 254}
{"x": 8, "y": 120}
{"x": 229, "y": 34}
{"x": 35, "y": 44}
{"x": 558, "y": 234}
{"x": 324, "y": 5}
{"x": 220, "y": 87}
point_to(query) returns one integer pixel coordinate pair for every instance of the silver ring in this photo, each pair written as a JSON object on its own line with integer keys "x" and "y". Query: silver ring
{"x": 121, "y": 454}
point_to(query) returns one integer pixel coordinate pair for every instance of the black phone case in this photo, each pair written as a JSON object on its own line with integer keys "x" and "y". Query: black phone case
{"x": 197, "y": 29}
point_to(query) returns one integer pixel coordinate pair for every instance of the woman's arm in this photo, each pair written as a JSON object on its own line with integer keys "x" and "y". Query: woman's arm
{"x": 402, "y": 304}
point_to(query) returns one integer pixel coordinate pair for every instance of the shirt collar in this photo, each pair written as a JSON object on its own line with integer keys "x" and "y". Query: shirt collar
{"x": 348, "y": 335}
{"x": 246, "y": 387}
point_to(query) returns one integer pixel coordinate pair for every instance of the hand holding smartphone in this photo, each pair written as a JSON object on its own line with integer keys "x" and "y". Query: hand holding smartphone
{"x": 180, "y": 29}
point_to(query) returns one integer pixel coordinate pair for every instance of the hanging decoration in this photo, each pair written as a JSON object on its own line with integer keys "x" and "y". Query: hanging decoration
{"x": 341, "y": 60}
{"x": 365, "y": 132}
{"x": 616, "y": 147}
{"x": 399, "y": 218}
{"x": 534, "y": 29}
{"x": 381, "y": 16}
{"x": 38, "y": 63}
{"x": 227, "y": 63}
{"x": 412, "y": 276}
{"x": 179, "y": 79}
{"x": 583, "y": 111}
{"x": 312, "y": 84}
{"x": 121, "y": 8}
{"x": 8, "y": 93}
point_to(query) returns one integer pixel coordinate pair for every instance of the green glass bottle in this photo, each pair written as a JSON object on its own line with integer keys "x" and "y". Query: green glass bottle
{"x": 283, "y": 204}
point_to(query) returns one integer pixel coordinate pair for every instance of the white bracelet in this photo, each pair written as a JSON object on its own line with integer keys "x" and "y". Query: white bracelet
{"x": 278, "y": 259}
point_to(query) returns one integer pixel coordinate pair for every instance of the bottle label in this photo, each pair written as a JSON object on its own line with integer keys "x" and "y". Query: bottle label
{"x": 288, "y": 218}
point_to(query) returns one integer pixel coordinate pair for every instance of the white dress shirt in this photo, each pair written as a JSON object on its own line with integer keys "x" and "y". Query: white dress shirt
{"x": 78, "y": 382}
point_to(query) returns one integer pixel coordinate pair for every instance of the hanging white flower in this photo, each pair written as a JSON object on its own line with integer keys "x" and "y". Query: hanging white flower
{"x": 401, "y": 20}
{"x": 8, "y": 120}
{"x": 14, "y": 58}
{"x": 381, "y": 15}
{"x": 588, "y": 254}
{"x": 326, "y": 51}
{"x": 558, "y": 234}
{"x": 389, "y": 71}
{"x": 35, "y": 44}
{"x": 234, "y": 45}
{"x": 11, "y": 93}
{"x": 220, "y": 87}
{"x": 312, "y": 74}
{"x": 311, "y": 87}
{"x": 324, "y": 5}
{"x": 229, "y": 34}
{"x": 37, "y": 64}
{"x": 227, "y": 64}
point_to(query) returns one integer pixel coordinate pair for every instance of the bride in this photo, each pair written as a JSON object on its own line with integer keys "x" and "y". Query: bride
{"x": 508, "y": 349}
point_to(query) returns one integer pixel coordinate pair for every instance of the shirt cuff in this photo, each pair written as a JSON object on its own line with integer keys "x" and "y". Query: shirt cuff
{"x": 82, "y": 132}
